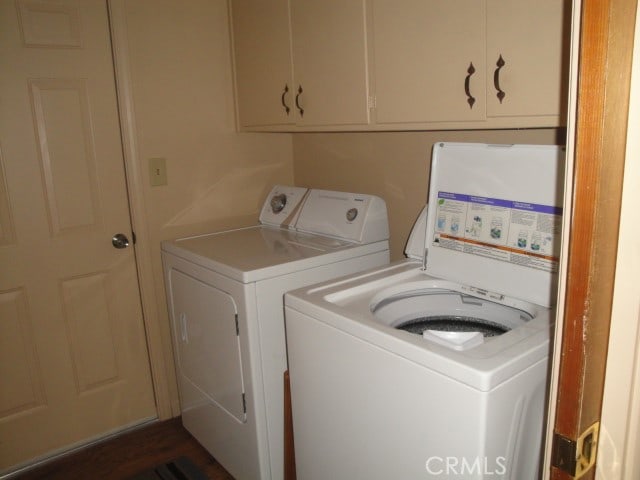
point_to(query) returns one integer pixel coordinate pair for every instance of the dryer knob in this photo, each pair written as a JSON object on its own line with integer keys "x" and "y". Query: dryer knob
{"x": 278, "y": 202}
{"x": 352, "y": 213}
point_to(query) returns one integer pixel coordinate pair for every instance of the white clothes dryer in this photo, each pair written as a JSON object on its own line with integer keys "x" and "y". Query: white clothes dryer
{"x": 225, "y": 294}
{"x": 436, "y": 366}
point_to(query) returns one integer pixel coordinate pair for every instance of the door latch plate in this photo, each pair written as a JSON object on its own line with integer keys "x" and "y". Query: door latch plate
{"x": 576, "y": 457}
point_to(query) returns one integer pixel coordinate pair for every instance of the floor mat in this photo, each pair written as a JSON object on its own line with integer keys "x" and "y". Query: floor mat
{"x": 179, "y": 469}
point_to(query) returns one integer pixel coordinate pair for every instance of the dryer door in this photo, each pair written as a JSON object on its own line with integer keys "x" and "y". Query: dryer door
{"x": 207, "y": 341}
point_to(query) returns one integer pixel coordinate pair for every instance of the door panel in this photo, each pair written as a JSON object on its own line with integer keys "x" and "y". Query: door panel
{"x": 62, "y": 113}
{"x": 207, "y": 343}
{"x": 73, "y": 358}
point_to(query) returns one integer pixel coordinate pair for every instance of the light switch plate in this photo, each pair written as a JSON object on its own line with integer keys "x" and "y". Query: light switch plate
{"x": 158, "y": 171}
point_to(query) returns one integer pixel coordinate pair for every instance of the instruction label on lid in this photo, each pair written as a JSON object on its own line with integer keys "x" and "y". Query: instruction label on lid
{"x": 520, "y": 233}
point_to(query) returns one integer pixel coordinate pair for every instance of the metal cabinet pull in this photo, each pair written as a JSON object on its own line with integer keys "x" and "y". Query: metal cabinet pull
{"x": 470, "y": 98}
{"x": 300, "y": 109}
{"x": 284, "y": 92}
{"x": 496, "y": 79}
{"x": 183, "y": 328}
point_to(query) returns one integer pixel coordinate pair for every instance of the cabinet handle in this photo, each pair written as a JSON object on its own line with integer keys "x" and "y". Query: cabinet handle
{"x": 300, "y": 109}
{"x": 470, "y": 98}
{"x": 284, "y": 92}
{"x": 183, "y": 328}
{"x": 496, "y": 79}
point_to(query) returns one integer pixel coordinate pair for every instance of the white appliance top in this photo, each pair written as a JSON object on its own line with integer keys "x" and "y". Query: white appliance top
{"x": 345, "y": 305}
{"x": 329, "y": 227}
{"x": 493, "y": 219}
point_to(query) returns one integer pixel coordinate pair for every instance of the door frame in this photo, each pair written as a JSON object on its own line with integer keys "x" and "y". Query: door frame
{"x": 163, "y": 385}
{"x": 596, "y": 150}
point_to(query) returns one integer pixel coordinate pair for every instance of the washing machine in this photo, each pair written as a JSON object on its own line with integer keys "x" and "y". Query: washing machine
{"x": 225, "y": 296}
{"x": 436, "y": 366}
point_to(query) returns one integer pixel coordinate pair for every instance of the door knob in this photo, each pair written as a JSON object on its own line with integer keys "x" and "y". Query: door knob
{"x": 120, "y": 240}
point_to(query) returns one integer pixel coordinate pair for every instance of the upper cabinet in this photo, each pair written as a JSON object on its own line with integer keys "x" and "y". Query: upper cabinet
{"x": 329, "y": 41}
{"x": 300, "y": 63}
{"x": 428, "y": 61}
{"x": 528, "y": 59}
{"x": 435, "y": 66}
{"x": 400, "y": 65}
{"x": 264, "y": 73}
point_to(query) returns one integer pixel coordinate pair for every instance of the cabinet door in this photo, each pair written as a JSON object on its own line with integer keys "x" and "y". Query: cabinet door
{"x": 428, "y": 60}
{"x": 329, "y": 62}
{"x": 262, "y": 48}
{"x": 531, "y": 38}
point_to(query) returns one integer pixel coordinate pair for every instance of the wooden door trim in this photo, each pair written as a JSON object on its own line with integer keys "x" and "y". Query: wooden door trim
{"x": 607, "y": 32}
{"x": 160, "y": 363}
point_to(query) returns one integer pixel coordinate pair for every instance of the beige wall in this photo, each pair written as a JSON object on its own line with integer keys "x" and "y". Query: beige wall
{"x": 184, "y": 111}
{"x": 394, "y": 166}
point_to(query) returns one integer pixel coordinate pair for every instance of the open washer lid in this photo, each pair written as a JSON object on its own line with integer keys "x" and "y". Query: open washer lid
{"x": 494, "y": 219}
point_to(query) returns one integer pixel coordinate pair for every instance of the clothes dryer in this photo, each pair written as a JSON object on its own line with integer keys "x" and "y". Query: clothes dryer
{"x": 225, "y": 294}
{"x": 436, "y": 366}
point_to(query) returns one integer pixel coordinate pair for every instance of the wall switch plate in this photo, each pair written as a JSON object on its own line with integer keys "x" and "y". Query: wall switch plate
{"x": 158, "y": 171}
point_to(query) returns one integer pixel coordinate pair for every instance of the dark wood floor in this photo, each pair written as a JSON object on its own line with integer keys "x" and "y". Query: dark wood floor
{"x": 130, "y": 454}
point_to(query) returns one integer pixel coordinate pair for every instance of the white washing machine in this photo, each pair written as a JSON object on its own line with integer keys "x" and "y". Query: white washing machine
{"x": 225, "y": 292}
{"x": 436, "y": 366}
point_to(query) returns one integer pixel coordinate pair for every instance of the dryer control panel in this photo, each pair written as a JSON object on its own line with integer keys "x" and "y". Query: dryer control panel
{"x": 350, "y": 216}
{"x": 354, "y": 217}
{"x": 282, "y": 206}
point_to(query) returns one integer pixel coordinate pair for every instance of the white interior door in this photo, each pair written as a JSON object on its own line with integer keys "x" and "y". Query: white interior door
{"x": 73, "y": 357}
